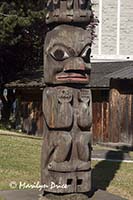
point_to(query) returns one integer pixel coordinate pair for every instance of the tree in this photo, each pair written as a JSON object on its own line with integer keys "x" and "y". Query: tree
{"x": 22, "y": 30}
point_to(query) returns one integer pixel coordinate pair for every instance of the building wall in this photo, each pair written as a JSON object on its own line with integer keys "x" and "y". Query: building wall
{"x": 126, "y": 27}
{"x": 115, "y": 29}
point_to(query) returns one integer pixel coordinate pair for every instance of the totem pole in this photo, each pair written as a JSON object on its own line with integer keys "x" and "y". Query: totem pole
{"x": 67, "y": 103}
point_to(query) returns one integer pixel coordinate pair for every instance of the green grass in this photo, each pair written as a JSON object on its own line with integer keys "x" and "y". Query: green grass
{"x": 131, "y": 154}
{"x": 115, "y": 177}
{"x": 1, "y": 198}
{"x": 20, "y": 161}
{"x": 100, "y": 147}
{"x": 18, "y": 134}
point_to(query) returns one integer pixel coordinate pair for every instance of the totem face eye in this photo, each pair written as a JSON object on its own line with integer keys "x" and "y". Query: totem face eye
{"x": 59, "y": 54}
{"x": 85, "y": 54}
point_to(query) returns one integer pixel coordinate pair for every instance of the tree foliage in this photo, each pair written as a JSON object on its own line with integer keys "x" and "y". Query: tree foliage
{"x": 22, "y": 30}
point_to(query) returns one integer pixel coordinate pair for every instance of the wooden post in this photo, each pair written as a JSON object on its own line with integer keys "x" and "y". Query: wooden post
{"x": 67, "y": 102}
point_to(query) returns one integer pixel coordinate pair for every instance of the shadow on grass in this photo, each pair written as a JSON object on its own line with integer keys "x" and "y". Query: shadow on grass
{"x": 104, "y": 172}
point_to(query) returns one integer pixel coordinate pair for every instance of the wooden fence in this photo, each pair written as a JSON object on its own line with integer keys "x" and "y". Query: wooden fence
{"x": 100, "y": 121}
{"x": 121, "y": 117}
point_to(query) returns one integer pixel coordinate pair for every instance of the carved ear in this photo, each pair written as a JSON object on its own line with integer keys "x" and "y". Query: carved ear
{"x": 83, "y": 4}
{"x": 49, "y": 4}
{"x": 84, "y": 96}
{"x": 52, "y": 4}
{"x": 85, "y": 54}
{"x": 69, "y": 4}
{"x": 55, "y": 2}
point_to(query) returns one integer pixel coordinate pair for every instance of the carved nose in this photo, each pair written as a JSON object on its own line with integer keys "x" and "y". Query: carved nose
{"x": 74, "y": 64}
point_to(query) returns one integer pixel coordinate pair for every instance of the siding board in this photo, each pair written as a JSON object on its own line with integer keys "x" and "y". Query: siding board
{"x": 131, "y": 123}
{"x": 114, "y": 121}
{"x": 105, "y": 121}
{"x": 100, "y": 121}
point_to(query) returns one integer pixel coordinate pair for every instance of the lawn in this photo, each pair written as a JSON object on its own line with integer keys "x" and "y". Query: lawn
{"x": 20, "y": 161}
{"x": 114, "y": 177}
{"x": 1, "y": 198}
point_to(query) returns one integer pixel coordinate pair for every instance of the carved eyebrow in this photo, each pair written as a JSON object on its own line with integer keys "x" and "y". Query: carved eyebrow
{"x": 68, "y": 49}
{"x": 60, "y": 44}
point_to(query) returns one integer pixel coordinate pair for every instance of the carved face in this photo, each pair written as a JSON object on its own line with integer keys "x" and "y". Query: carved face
{"x": 67, "y": 55}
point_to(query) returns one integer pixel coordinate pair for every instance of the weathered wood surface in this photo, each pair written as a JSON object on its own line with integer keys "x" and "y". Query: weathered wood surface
{"x": 30, "y": 117}
{"x": 67, "y": 55}
{"x": 114, "y": 126}
{"x": 66, "y": 153}
{"x": 67, "y": 110}
{"x": 100, "y": 121}
{"x": 69, "y": 11}
{"x": 121, "y": 117}
{"x": 67, "y": 103}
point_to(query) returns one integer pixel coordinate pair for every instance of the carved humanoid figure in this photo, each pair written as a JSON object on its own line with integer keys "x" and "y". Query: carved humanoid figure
{"x": 67, "y": 105}
{"x": 67, "y": 55}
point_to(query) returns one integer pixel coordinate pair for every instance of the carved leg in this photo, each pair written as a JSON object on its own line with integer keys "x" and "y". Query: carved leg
{"x": 83, "y": 143}
{"x": 83, "y": 146}
{"x": 62, "y": 145}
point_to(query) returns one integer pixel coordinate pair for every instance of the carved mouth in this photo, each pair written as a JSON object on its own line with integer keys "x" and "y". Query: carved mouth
{"x": 73, "y": 76}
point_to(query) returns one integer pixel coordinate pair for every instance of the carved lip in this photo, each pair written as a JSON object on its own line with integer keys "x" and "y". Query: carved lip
{"x": 72, "y": 77}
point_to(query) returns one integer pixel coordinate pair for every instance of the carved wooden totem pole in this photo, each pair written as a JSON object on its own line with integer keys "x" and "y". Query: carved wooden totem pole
{"x": 67, "y": 104}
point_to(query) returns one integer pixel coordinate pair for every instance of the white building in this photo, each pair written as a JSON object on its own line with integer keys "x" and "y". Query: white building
{"x": 115, "y": 30}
